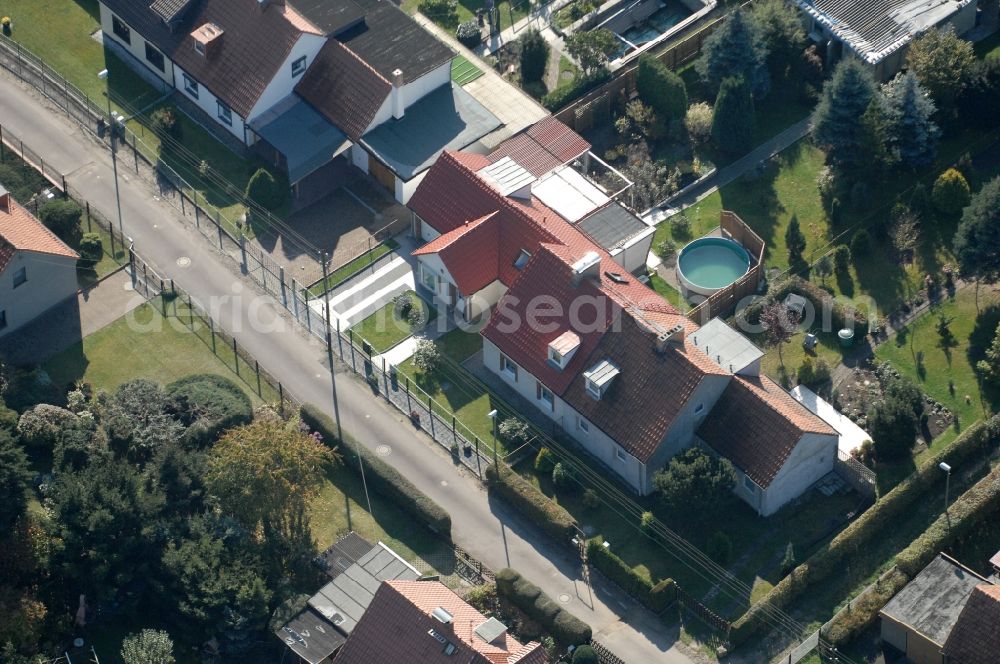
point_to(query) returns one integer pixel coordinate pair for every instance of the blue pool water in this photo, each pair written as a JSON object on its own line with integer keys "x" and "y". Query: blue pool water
{"x": 713, "y": 262}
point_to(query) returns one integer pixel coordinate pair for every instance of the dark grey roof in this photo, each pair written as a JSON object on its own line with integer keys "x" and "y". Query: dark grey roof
{"x": 306, "y": 139}
{"x": 344, "y": 600}
{"x": 330, "y": 16}
{"x": 446, "y": 119}
{"x": 170, "y": 10}
{"x": 311, "y": 636}
{"x": 931, "y": 603}
{"x": 389, "y": 39}
{"x": 344, "y": 553}
{"x": 611, "y": 225}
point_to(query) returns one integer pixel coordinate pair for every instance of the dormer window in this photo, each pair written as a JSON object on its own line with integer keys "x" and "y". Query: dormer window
{"x": 522, "y": 259}
{"x": 562, "y": 349}
{"x": 200, "y": 47}
{"x": 600, "y": 377}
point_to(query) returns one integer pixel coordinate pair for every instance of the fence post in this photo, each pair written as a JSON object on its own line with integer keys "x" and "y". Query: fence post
{"x": 190, "y": 313}
{"x": 305, "y": 299}
{"x": 211, "y": 326}
{"x": 340, "y": 340}
{"x": 3, "y": 154}
{"x": 65, "y": 190}
{"x": 183, "y": 211}
{"x": 385, "y": 379}
{"x": 430, "y": 411}
{"x": 453, "y": 434}
{"x": 236, "y": 357}
{"x": 479, "y": 463}
{"x": 135, "y": 152}
{"x": 163, "y": 302}
{"x": 89, "y": 226}
{"x": 284, "y": 295}
{"x": 256, "y": 367}
{"x": 350, "y": 335}
{"x": 218, "y": 227}
{"x": 281, "y": 399}
{"x": 408, "y": 406}
{"x": 243, "y": 252}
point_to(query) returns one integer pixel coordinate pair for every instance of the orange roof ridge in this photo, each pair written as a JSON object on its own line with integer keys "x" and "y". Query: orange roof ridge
{"x": 23, "y": 232}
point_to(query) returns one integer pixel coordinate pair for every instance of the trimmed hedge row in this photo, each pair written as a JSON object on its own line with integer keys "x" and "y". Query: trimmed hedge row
{"x": 656, "y": 597}
{"x": 380, "y": 476}
{"x": 841, "y": 316}
{"x": 978, "y": 439}
{"x": 976, "y": 504}
{"x": 580, "y": 86}
{"x": 557, "y": 621}
{"x": 539, "y": 508}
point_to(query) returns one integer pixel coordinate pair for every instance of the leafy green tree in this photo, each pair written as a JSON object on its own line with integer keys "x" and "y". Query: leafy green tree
{"x": 585, "y": 655}
{"x": 266, "y": 473}
{"x": 564, "y": 477}
{"x": 15, "y": 478}
{"x": 150, "y": 646}
{"x": 945, "y": 64}
{"x": 979, "y": 100}
{"x": 698, "y": 122}
{"x": 951, "y": 192}
{"x": 137, "y": 421}
{"x": 592, "y": 48}
{"x": 91, "y": 249}
{"x": 533, "y": 53}
{"x": 913, "y": 134}
{"x": 545, "y": 461}
{"x": 651, "y": 180}
{"x": 779, "y": 324}
{"x": 661, "y": 89}
{"x": 989, "y": 366}
{"x": 734, "y": 118}
{"x": 842, "y": 259}
{"x": 62, "y": 217}
{"x": 837, "y": 124}
{"x": 977, "y": 241}
{"x": 779, "y": 26}
{"x": 426, "y": 356}
{"x": 876, "y": 153}
{"x": 824, "y": 267}
{"x": 861, "y": 243}
{"x": 694, "y": 477}
{"x": 207, "y": 404}
{"x": 735, "y": 50}
{"x": 893, "y": 427}
{"x": 265, "y": 190}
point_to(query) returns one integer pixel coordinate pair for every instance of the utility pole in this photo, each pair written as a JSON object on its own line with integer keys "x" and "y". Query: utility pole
{"x": 112, "y": 127}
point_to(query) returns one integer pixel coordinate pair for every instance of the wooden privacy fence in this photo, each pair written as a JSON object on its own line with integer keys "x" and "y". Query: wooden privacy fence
{"x": 726, "y": 299}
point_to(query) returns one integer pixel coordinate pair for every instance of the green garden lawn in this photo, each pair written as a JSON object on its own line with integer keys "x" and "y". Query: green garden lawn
{"x": 384, "y": 329}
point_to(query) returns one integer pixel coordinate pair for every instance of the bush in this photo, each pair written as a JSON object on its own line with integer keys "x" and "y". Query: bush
{"x": 207, "y": 405}
{"x": 647, "y": 522}
{"x": 841, "y": 315}
{"x": 380, "y": 476}
{"x": 91, "y": 249}
{"x": 538, "y": 606}
{"x": 861, "y": 243}
{"x": 590, "y": 499}
{"x": 842, "y": 259}
{"x": 416, "y": 318}
{"x": 545, "y": 461}
{"x": 661, "y": 89}
{"x": 657, "y": 597}
{"x": 666, "y": 248}
{"x": 680, "y": 226}
{"x": 62, "y": 217}
{"x": 535, "y": 505}
{"x": 468, "y": 33}
{"x": 264, "y": 190}
{"x": 719, "y": 547}
{"x": 580, "y": 86}
{"x": 164, "y": 121}
{"x": 698, "y": 122}
{"x": 734, "y": 118}
{"x": 978, "y": 440}
{"x": 951, "y": 192}
{"x": 27, "y": 386}
{"x": 402, "y": 305}
{"x": 533, "y": 53}
{"x": 585, "y": 655}
{"x": 694, "y": 477}
{"x": 812, "y": 373}
{"x": 41, "y": 426}
{"x": 442, "y": 12}
{"x": 564, "y": 478}
{"x": 515, "y": 432}
{"x": 426, "y": 356}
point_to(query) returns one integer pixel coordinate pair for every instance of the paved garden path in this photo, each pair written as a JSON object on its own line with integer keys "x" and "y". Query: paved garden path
{"x": 489, "y": 529}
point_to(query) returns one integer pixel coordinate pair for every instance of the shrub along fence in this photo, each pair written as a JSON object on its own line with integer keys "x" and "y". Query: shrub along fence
{"x": 658, "y": 597}
{"x": 539, "y": 508}
{"x": 973, "y": 447}
{"x": 557, "y": 621}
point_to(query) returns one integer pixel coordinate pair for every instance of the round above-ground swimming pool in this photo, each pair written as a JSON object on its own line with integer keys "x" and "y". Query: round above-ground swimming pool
{"x": 710, "y": 263}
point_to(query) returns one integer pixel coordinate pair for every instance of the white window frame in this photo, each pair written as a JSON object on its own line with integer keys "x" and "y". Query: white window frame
{"x": 620, "y": 454}
{"x": 162, "y": 66}
{"x": 593, "y": 389}
{"x": 118, "y": 24}
{"x": 191, "y": 86}
{"x": 549, "y": 403}
{"x": 749, "y": 484}
{"x": 20, "y": 276}
{"x": 555, "y": 356}
{"x": 583, "y": 425}
{"x": 299, "y": 66}
{"x": 508, "y": 367}
{"x": 522, "y": 259}
{"x": 223, "y": 112}
{"x": 200, "y": 47}
{"x": 425, "y": 274}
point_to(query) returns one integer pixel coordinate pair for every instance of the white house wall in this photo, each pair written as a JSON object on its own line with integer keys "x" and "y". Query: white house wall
{"x": 137, "y": 48}
{"x": 406, "y": 189}
{"x": 482, "y": 301}
{"x": 427, "y": 232}
{"x": 416, "y": 90}
{"x": 633, "y": 254}
{"x": 812, "y": 458}
{"x": 208, "y": 102}
{"x": 51, "y": 279}
{"x": 283, "y": 84}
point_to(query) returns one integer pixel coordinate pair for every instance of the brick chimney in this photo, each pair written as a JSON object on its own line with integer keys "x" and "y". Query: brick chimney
{"x": 398, "y": 103}
{"x": 207, "y": 39}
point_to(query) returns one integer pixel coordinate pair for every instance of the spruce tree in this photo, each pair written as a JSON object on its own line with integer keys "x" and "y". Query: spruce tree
{"x": 734, "y": 117}
{"x": 837, "y": 125}
{"x": 876, "y": 154}
{"x": 913, "y": 134}
{"x": 661, "y": 89}
{"x": 735, "y": 50}
{"x": 533, "y": 52}
{"x": 795, "y": 242}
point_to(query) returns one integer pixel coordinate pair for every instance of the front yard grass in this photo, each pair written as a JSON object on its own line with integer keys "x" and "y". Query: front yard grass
{"x": 145, "y": 344}
{"x": 385, "y": 329}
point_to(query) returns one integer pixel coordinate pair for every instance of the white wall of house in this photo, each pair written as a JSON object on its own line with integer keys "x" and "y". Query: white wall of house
{"x": 481, "y": 302}
{"x": 283, "y": 83}
{"x": 208, "y": 102}
{"x": 812, "y": 458}
{"x": 416, "y": 90}
{"x": 427, "y": 232}
{"x": 50, "y": 280}
{"x": 431, "y": 265}
{"x": 137, "y": 46}
{"x": 359, "y": 157}
{"x": 405, "y": 189}
{"x": 633, "y": 254}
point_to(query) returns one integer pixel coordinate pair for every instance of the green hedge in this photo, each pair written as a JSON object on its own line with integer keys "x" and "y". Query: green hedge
{"x": 841, "y": 316}
{"x": 380, "y": 476}
{"x": 539, "y": 508}
{"x": 978, "y": 439}
{"x": 976, "y": 504}
{"x": 580, "y": 86}
{"x": 208, "y": 404}
{"x": 557, "y": 621}
{"x": 656, "y": 597}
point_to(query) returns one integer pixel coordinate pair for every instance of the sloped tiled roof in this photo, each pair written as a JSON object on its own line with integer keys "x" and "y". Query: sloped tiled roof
{"x": 342, "y": 87}
{"x": 20, "y": 231}
{"x": 479, "y": 238}
{"x": 254, "y": 44}
{"x": 543, "y": 146}
{"x": 756, "y": 425}
{"x": 397, "y": 625}
{"x": 975, "y": 638}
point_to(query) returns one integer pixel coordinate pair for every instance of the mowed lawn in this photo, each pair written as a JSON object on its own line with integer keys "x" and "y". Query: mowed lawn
{"x": 144, "y": 344}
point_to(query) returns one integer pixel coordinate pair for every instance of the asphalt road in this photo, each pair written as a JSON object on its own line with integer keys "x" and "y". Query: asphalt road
{"x": 491, "y": 531}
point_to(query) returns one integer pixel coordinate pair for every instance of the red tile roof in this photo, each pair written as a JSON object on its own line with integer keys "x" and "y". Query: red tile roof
{"x": 397, "y": 624}
{"x": 479, "y": 238}
{"x": 344, "y": 88}
{"x": 756, "y": 424}
{"x": 975, "y": 638}
{"x": 542, "y": 147}
{"x": 20, "y": 231}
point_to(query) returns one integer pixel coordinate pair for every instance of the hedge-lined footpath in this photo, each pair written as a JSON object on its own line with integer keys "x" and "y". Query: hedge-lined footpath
{"x": 976, "y": 441}
{"x": 380, "y": 476}
{"x": 976, "y": 504}
{"x": 539, "y": 508}
{"x": 656, "y": 597}
{"x": 557, "y": 621}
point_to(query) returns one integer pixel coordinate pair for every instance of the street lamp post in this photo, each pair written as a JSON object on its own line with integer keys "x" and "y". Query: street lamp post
{"x": 947, "y": 483}
{"x": 493, "y": 416}
{"x": 103, "y": 75}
